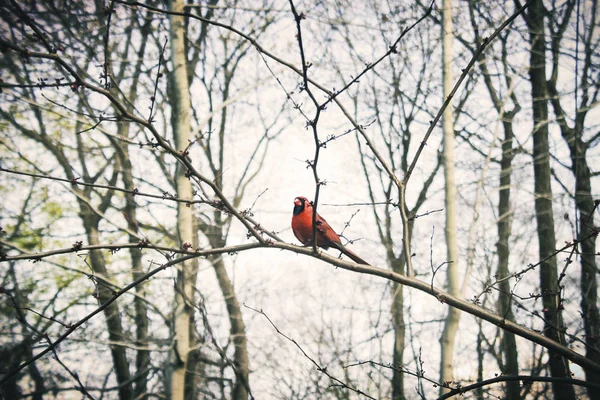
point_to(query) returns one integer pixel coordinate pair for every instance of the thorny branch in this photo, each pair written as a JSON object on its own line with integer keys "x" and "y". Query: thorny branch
{"x": 442, "y": 296}
{"x": 158, "y": 76}
{"x": 312, "y": 124}
{"x": 519, "y": 378}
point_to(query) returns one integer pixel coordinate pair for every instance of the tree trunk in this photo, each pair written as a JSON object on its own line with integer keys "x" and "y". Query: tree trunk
{"x": 509, "y": 345}
{"x": 111, "y": 313}
{"x": 142, "y": 357}
{"x": 584, "y": 204}
{"x": 241, "y": 387}
{"x": 237, "y": 331}
{"x": 589, "y": 285}
{"x": 584, "y": 201}
{"x": 183, "y": 377}
{"x": 452, "y": 319}
{"x": 397, "y": 311}
{"x": 543, "y": 197}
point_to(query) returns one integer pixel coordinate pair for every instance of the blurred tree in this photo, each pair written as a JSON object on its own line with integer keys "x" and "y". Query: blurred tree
{"x": 543, "y": 196}
{"x": 587, "y": 87}
{"x": 138, "y": 139}
{"x": 502, "y": 94}
{"x": 448, "y": 338}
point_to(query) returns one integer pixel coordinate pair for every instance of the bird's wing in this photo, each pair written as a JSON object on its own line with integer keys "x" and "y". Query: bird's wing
{"x": 326, "y": 229}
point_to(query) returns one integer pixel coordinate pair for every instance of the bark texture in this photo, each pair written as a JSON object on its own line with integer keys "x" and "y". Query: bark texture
{"x": 553, "y": 325}
{"x": 452, "y": 319}
{"x": 184, "y": 377}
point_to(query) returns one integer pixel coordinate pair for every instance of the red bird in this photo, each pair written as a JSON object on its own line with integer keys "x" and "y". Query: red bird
{"x": 326, "y": 236}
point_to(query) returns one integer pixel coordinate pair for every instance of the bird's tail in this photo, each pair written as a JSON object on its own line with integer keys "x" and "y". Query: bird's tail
{"x": 350, "y": 254}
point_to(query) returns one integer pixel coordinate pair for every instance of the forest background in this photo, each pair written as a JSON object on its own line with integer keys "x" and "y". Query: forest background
{"x": 151, "y": 151}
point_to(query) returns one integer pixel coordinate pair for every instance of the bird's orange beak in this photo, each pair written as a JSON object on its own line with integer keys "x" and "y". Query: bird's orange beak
{"x": 297, "y": 202}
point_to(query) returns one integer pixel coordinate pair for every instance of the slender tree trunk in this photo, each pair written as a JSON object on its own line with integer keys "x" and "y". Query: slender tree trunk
{"x": 452, "y": 319}
{"x": 589, "y": 284}
{"x": 142, "y": 357}
{"x": 12, "y": 355}
{"x": 509, "y": 345}
{"x": 480, "y": 360}
{"x": 584, "y": 202}
{"x": 183, "y": 378}
{"x": 397, "y": 311}
{"x": 241, "y": 386}
{"x": 237, "y": 331}
{"x": 543, "y": 197}
{"x": 111, "y": 313}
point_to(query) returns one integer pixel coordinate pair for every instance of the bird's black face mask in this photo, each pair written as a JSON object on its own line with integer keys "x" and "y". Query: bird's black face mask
{"x": 299, "y": 205}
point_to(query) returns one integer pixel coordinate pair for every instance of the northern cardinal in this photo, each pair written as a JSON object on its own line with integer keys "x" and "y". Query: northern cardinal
{"x": 326, "y": 236}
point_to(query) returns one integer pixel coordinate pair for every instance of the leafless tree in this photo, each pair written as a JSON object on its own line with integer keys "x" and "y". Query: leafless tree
{"x": 141, "y": 143}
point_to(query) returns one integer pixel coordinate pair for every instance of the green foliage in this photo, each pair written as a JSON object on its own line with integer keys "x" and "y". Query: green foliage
{"x": 27, "y": 239}
{"x": 53, "y": 209}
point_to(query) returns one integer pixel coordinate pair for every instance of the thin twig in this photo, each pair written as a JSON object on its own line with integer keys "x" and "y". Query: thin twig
{"x": 319, "y": 367}
{"x": 158, "y": 76}
{"x": 89, "y": 316}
